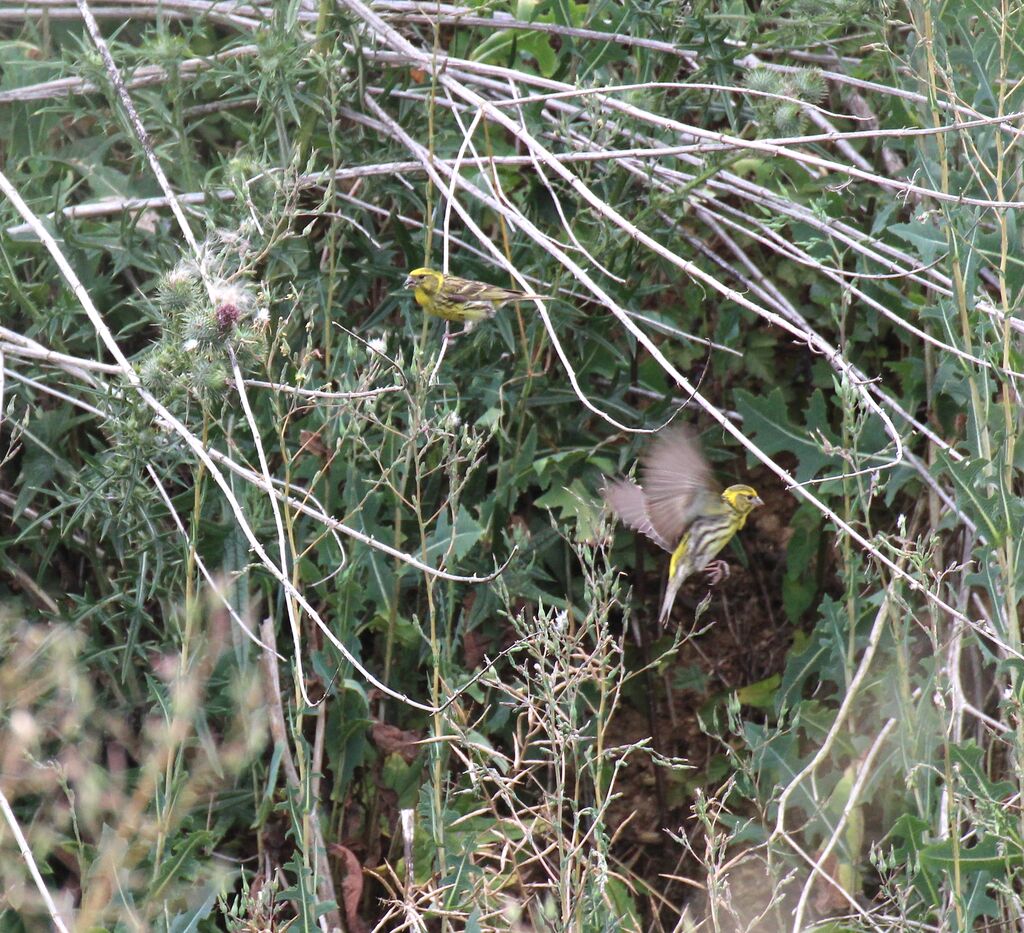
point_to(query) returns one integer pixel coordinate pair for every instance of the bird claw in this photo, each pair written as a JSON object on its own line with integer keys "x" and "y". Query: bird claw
{"x": 717, "y": 571}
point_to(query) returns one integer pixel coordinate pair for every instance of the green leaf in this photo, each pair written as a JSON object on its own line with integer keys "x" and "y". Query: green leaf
{"x": 766, "y": 420}
{"x": 990, "y": 855}
{"x": 968, "y": 760}
{"x": 689, "y": 677}
{"x": 495, "y": 47}
{"x": 574, "y": 501}
{"x": 178, "y": 865}
{"x": 538, "y": 45}
{"x": 801, "y": 584}
{"x": 188, "y": 921}
{"x": 971, "y": 477}
{"x": 448, "y": 544}
{"x": 402, "y": 778}
{"x": 927, "y": 237}
{"x": 761, "y": 694}
{"x": 303, "y": 894}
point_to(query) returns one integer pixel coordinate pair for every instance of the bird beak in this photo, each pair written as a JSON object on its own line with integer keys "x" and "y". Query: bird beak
{"x": 408, "y": 283}
{"x": 757, "y": 500}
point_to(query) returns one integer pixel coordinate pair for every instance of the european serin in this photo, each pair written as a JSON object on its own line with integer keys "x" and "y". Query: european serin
{"x": 680, "y": 507}
{"x": 455, "y": 299}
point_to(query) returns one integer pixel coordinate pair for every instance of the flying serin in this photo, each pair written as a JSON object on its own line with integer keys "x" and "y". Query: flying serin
{"x": 680, "y": 507}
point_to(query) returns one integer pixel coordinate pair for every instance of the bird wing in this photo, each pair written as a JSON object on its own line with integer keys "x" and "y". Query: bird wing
{"x": 628, "y": 501}
{"x": 467, "y": 291}
{"x": 676, "y": 479}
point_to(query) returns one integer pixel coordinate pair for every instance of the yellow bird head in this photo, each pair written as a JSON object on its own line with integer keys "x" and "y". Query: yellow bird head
{"x": 742, "y": 499}
{"x": 426, "y": 281}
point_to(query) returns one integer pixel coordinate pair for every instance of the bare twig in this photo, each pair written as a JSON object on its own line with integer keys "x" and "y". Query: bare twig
{"x": 30, "y": 863}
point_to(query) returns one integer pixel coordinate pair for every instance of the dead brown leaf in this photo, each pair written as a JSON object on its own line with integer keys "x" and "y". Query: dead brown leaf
{"x": 351, "y": 888}
{"x": 390, "y": 739}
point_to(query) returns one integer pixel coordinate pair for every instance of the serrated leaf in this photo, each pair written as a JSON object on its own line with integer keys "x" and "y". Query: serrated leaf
{"x": 402, "y": 778}
{"x": 927, "y": 238}
{"x": 800, "y": 585}
{"x": 981, "y": 505}
{"x": 968, "y": 761}
{"x": 574, "y": 501}
{"x": 450, "y": 544}
{"x": 689, "y": 677}
{"x": 539, "y": 46}
{"x": 989, "y": 855}
{"x": 766, "y": 420}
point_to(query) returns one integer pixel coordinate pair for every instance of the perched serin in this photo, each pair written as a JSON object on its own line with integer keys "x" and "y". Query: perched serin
{"x": 680, "y": 507}
{"x": 457, "y": 299}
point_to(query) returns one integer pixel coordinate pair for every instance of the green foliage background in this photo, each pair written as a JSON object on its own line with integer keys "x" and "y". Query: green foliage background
{"x": 810, "y": 209}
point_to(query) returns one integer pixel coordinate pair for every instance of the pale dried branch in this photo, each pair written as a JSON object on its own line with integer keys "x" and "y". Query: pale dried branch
{"x": 30, "y": 863}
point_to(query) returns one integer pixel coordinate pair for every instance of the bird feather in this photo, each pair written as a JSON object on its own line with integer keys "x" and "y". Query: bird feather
{"x": 628, "y": 501}
{"x": 676, "y": 481}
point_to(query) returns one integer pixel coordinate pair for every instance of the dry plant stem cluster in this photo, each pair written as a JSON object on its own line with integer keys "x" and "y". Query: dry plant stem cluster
{"x": 126, "y": 369}
{"x": 448, "y": 79}
{"x": 210, "y": 457}
{"x": 264, "y": 480}
{"x": 615, "y": 155}
{"x": 474, "y": 93}
{"x": 732, "y": 184}
{"x": 100, "y": 207}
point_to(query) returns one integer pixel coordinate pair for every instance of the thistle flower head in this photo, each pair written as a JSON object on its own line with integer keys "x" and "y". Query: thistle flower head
{"x": 227, "y": 316}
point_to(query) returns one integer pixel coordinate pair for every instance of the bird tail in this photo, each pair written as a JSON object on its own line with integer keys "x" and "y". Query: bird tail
{"x": 674, "y": 582}
{"x": 519, "y": 296}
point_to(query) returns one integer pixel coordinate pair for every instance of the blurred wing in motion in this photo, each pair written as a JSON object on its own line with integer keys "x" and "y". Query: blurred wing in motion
{"x": 676, "y": 479}
{"x": 627, "y": 500}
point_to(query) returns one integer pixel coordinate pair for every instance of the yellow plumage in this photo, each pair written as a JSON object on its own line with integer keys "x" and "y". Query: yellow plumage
{"x": 456, "y": 299}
